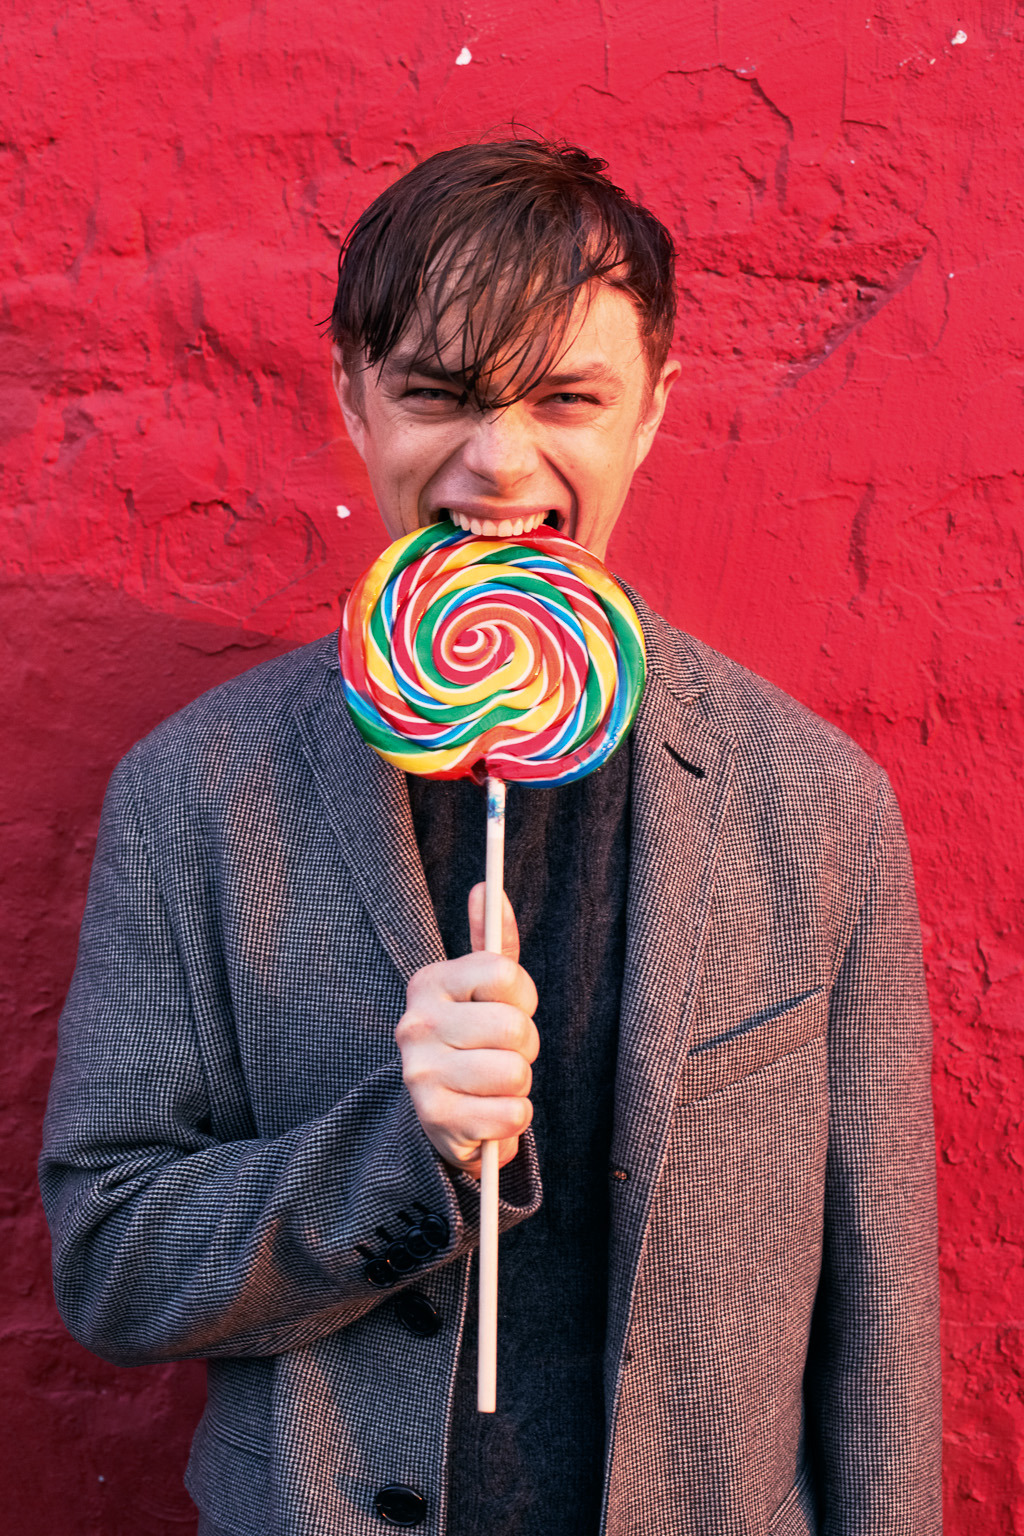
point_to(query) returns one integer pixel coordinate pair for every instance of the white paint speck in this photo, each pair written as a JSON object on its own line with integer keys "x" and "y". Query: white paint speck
{"x": 952, "y": 274}
{"x": 465, "y": 57}
{"x": 958, "y": 38}
{"x": 343, "y": 511}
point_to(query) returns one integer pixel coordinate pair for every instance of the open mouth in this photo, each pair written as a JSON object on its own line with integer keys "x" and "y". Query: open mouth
{"x": 505, "y": 528}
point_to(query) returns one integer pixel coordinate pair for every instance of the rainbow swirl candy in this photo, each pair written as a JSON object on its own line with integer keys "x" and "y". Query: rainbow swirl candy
{"x": 465, "y": 656}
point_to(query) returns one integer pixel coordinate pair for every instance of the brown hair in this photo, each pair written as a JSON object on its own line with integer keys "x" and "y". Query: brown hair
{"x": 493, "y": 244}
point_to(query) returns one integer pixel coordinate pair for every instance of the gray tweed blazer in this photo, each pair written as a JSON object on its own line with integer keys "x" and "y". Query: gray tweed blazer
{"x": 230, "y": 1152}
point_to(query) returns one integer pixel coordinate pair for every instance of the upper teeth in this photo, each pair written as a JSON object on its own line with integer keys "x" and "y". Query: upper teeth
{"x": 508, "y": 527}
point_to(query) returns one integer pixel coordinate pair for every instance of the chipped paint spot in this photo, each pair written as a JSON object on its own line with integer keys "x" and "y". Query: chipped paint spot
{"x": 958, "y": 38}
{"x": 465, "y": 57}
{"x": 343, "y": 512}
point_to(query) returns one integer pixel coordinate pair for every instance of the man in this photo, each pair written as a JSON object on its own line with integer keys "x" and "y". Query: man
{"x": 282, "y": 1048}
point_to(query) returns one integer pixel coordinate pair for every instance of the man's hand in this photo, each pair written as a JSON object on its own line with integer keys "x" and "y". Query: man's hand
{"x": 467, "y": 1039}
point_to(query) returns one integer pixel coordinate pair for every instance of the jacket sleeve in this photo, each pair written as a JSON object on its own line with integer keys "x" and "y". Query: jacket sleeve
{"x": 172, "y": 1240}
{"x": 873, "y": 1372}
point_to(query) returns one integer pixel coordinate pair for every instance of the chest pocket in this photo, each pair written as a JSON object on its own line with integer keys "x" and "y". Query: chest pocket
{"x": 757, "y": 1042}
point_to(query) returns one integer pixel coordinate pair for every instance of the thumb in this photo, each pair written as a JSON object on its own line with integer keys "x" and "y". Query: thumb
{"x": 509, "y": 931}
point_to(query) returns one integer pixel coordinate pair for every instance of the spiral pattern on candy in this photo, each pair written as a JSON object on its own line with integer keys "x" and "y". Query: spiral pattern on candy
{"x": 465, "y": 655}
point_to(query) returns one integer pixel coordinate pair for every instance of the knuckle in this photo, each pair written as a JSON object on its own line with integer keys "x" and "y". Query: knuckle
{"x": 415, "y": 987}
{"x": 410, "y": 1028}
{"x": 414, "y": 1075}
{"x": 516, "y": 1075}
{"x": 503, "y": 973}
{"x": 429, "y": 1102}
{"x": 522, "y": 1035}
{"x": 507, "y": 1030}
{"x": 510, "y": 1118}
{"x": 424, "y": 983}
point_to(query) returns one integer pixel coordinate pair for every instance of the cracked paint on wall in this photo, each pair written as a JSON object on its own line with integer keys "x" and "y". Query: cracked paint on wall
{"x": 836, "y": 499}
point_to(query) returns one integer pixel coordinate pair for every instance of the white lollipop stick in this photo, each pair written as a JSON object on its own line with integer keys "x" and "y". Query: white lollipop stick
{"x": 487, "y": 1341}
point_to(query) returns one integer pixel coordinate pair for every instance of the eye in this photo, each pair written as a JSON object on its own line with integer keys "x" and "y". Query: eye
{"x": 567, "y": 399}
{"x": 433, "y": 398}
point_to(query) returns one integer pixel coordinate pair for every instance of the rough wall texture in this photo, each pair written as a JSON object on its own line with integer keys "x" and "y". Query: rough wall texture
{"x": 836, "y": 499}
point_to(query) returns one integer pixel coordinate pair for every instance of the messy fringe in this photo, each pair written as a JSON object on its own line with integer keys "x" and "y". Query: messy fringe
{"x": 487, "y": 249}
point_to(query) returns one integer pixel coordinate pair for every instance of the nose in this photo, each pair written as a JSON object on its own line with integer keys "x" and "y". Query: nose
{"x": 499, "y": 449}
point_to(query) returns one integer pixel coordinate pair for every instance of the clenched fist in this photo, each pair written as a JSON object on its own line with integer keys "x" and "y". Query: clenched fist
{"x": 468, "y": 1039}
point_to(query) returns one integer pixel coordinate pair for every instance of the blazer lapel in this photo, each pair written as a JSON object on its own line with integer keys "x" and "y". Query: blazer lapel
{"x": 682, "y": 774}
{"x": 366, "y": 803}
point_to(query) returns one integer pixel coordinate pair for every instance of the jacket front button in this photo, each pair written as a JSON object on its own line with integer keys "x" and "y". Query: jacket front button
{"x": 415, "y": 1312}
{"x": 399, "y": 1505}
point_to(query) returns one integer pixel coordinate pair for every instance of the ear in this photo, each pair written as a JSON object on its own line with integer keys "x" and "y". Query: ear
{"x": 349, "y": 391}
{"x": 654, "y": 408}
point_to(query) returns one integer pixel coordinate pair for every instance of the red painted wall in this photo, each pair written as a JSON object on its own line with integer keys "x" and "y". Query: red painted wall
{"x": 836, "y": 500}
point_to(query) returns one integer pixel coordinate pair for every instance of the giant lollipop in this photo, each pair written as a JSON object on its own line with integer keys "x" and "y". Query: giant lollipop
{"x": 496, "y": 659}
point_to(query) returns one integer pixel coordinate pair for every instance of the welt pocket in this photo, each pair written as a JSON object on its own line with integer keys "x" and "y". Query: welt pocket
{"x": 228, "y": 1477}
{"x": 766, "y": 1037}
{"x": 238, "y": 1437}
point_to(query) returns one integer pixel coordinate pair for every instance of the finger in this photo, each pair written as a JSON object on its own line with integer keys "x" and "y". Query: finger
{"x": 477, "y": 1027}
{"x": 478, "y": 977}
{"x": 509, "y": 927}
{"x": 460, "y": 1122}
{"x": 485, "y": 1074}
{"x": 507, "y": 1150}
{"x": 432, "y": 1046}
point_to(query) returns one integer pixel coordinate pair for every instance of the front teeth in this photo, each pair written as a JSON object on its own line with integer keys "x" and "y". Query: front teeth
{"x": 508, "y": 528}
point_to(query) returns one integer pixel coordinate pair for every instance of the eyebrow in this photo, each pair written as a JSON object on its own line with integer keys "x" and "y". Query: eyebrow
{"x": 589, "y": 373}
{"x": 403, "y": 364}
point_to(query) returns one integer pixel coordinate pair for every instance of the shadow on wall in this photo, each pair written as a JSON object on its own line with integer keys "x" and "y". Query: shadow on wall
{"x": 86, "y": 672}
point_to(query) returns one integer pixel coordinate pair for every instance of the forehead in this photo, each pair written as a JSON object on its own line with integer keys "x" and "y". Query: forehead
{"x": 602, "y": 341}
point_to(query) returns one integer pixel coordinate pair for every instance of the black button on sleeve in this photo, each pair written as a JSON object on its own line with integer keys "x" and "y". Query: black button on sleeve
{"x": 418, "y": 1244}
{"x": 399, "y": 1257}
{"x": 435, "y": 1230}
{"x": 398, "y": 1505}
{"x": 379, "y": 1272}
{"x": 417, "y": 1314}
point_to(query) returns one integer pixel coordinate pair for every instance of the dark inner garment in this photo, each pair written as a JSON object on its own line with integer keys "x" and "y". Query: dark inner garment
{"x": 535, "y": 1466}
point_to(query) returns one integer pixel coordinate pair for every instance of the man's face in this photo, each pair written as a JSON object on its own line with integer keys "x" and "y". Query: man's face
{"x": 569, "y": 447}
